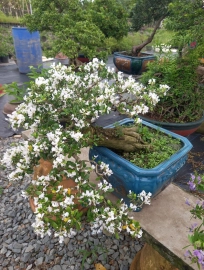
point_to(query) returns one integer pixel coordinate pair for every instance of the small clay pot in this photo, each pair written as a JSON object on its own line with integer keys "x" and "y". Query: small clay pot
{"x": 10, "y": 107}
{"x": 44, "y": 168}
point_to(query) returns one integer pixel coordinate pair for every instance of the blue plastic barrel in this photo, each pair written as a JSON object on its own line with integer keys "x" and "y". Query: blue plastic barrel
{"x": 27, "y": 48}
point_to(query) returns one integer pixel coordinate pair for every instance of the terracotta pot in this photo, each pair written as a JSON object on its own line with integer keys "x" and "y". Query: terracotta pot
{"x": 2, "y": 90}
{"x": 61, "y": 58}
{"x": 83, "y": 59}
{"x": 44, "y": 168}
{"x": 10, "y": 107}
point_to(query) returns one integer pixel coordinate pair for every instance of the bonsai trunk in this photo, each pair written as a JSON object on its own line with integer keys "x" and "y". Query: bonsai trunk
{"x": 126, "y": 139}
{"x": 136, "y": 49}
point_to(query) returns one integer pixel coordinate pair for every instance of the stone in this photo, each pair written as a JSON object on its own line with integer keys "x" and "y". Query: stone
{"x": 26, "y": 257}
{"x": 57, "y": 267}
{"x": 17, "y": 245}
{"x": 111, "y": 251}
{"x": 87, "y": 266}
{"x": 3, "y": 250}
{"x": 115, "y": 255}
{"x": 8, "y": 253}
{"x": 102, "y": 257}
{"x": 52, "y": 251}
{"x": 8, "y": 241}
{"x": 39, "y": 261}
{"x": 16, "y": 250}
{"x": 29, "y": 248}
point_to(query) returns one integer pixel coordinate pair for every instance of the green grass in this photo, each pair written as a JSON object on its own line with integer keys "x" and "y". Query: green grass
{"x": 135, "y": 38}
{"x": 8, "y": 19}
{"x": 162, "y": 37}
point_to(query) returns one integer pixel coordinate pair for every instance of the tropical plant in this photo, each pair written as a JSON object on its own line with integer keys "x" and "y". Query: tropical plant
{"x": 60, "y": 109}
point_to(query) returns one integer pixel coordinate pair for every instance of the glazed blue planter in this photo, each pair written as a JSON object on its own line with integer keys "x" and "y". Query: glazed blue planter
{"x": 126, "y": 176}
{"x": 131, "y": 64}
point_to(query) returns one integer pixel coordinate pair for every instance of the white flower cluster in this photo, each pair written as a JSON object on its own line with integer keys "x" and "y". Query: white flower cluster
{"x": 59, "y": 109}
{"x": 104, "y": 185}
{"x": 17, "y": 158}
{"x": 105, "y": 168}
{"x": 145, "y": 197}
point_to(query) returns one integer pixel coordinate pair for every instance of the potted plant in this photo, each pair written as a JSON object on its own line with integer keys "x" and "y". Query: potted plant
{"x": 61, "y": 58}
{"x": 144, "y": 13}
{"x": 60, "y": 109}
{"x": 16, "y": 93}
{"x": 6, "y": 45}
{"x": 4, "y": 55}
{"x": 181, "y": 110}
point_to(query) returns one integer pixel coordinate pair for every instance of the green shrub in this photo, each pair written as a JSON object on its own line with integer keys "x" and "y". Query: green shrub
{"x": 6, "y": 44}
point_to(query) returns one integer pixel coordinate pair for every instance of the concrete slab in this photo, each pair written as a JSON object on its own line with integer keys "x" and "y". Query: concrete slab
{"x": 167, "y": 220}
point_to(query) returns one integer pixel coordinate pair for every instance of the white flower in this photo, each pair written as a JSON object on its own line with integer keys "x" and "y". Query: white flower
{"x": 55, "y": 204}
{"x": 151, "y": 81}
{"x": 24, "y": 194}
{"x": 42, "y": 195}
{"x": 139, "y": 234}
{"x": 76, "y": 135}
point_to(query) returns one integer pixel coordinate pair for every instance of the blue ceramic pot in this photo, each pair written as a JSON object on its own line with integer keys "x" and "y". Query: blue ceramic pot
{"x": 131, "y": 64}
{"x": 127, "y": 176}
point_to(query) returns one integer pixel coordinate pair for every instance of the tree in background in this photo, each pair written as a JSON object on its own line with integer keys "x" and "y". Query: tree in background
{"x": 186, "y": 20}
{"x": 111, "y": 18}
{"x": 15, "y": 8}
{"x": 147, "y": 12}
{"x": 78, "y": 26}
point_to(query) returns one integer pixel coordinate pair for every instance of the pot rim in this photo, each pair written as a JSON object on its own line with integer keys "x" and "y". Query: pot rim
{"x": 194, "y": 123}
{"x": 146, "y": 54}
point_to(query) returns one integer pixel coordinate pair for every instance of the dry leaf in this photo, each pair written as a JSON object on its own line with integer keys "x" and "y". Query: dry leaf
{"x": 99, "y": 266}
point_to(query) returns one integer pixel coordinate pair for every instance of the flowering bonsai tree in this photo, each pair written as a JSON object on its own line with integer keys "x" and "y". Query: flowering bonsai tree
{"x": 60, "y": 109}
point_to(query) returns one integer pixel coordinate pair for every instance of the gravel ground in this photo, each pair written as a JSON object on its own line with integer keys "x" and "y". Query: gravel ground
{"x": 20, "y": 248}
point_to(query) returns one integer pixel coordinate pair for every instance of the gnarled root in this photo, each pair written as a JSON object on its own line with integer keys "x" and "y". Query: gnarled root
{"x": 126, "y": 139}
